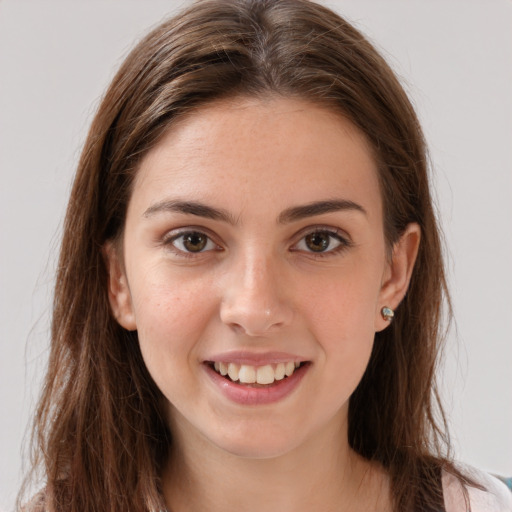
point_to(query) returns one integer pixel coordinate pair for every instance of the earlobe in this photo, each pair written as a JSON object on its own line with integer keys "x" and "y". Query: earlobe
{"x": 398, "y": 274}
{"x": 118, "y": 291}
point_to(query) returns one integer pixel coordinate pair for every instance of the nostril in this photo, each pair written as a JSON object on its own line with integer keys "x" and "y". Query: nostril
{"x": 237, "y": 328}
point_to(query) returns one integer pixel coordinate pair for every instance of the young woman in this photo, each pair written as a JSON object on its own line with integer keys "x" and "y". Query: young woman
{"x": 248, "y": 306}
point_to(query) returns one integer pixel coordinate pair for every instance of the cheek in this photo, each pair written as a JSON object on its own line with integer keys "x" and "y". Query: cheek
{"x": 341, "y": 316}
{"x": 344, "y": 304}
{"x": 171, "y": 313}
{"x": 346, "y": 334}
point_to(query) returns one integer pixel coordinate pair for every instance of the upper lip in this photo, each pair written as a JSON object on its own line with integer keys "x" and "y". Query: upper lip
{"x": 255, "y": 359}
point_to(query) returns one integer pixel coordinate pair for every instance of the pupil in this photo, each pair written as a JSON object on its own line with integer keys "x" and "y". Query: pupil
{"x": 194, "y": 242}
{"x": 317, "y": 242}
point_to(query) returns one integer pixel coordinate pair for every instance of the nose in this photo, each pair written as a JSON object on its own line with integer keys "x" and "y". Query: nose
{"x": 254, "y": 298}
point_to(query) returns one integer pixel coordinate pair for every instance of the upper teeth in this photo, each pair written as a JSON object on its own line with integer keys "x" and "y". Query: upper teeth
{"x": 248, "y": 374}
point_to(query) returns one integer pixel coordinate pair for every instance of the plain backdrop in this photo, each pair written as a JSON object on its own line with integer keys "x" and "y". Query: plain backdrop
{"x": 455, "y": 60}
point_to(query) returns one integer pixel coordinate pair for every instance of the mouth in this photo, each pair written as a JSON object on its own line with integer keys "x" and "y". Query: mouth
{"x": 255, "y": 376}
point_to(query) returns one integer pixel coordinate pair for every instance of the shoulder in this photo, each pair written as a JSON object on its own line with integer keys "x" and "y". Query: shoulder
{"x": 494, "y": 497}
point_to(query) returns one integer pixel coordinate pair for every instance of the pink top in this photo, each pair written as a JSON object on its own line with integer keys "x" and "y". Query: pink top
{"x": 496, "y": 498}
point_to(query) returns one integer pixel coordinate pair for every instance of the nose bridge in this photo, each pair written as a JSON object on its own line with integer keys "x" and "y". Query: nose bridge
{"x": 253, "y": 298}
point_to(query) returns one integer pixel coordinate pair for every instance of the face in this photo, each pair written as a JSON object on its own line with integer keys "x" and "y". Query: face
{"x": 254, "y": 246}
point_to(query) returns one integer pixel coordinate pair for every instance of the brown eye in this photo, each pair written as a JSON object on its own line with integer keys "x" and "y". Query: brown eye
{"x": 193, "y": 242}
{"x": 322, "y": 241}
{"x": 318, "y": 242}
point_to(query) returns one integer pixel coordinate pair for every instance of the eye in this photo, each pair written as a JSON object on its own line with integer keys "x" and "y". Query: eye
{"x": 192, "y": 242}
{"x": 321, "y": 241}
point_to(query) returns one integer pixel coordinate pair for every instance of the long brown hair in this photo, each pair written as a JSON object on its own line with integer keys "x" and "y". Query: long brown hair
{"x": 100, "y": 436}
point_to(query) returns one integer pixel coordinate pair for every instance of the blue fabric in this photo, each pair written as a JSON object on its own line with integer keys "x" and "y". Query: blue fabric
{"x": 506, "y": 481}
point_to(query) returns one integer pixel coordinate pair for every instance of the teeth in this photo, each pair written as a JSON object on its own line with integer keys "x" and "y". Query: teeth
{"x": 265, "y": 374}
{"x": 279, "y": 372}
{"x": 248, "y": 374}
{"x": 233, "y": 371}
{"x": 289, "y": 368}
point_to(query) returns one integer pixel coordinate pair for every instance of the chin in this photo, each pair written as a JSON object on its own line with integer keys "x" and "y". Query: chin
{"x": 257, "y": 443}
{"x": 256, "y": 452}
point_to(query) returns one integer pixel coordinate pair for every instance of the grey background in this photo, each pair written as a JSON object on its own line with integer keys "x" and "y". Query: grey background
{"x": 455, "y": 59}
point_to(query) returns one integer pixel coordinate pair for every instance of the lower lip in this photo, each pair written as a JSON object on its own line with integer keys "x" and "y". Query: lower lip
{"x": 247, "y": 395}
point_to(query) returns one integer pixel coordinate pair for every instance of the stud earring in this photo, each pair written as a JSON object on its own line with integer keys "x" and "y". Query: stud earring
{"x": 387, "y": 313}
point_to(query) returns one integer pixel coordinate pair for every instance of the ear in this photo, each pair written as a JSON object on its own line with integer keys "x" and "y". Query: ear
{"x": 118, "y": 291}
{"x": 398, "y": 273}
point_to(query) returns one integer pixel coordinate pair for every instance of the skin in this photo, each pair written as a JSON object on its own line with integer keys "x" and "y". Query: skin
{"x": 257, "y": 286}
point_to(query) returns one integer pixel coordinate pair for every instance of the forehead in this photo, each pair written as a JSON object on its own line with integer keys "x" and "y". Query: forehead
{"x": 274, "y": 150}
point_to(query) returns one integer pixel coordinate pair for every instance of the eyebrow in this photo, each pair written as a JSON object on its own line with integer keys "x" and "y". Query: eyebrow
{"x": 190, "y": 208}
{"x": 289, "y": 215}
{"x": 318, "y": 208}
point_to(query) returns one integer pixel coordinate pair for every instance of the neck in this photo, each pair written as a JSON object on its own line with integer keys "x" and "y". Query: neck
{"x": 323, "y": 473}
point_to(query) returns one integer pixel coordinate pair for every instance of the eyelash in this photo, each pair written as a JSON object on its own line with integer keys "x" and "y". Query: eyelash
{"x": 342, "y": 240}
{"x": 339, "y": 236}
{"x": 169, "y": 241}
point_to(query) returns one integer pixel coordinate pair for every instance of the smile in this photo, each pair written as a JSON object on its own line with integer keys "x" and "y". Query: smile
{"x": 247, "y": 378}
{"x": 260, "y": 375}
